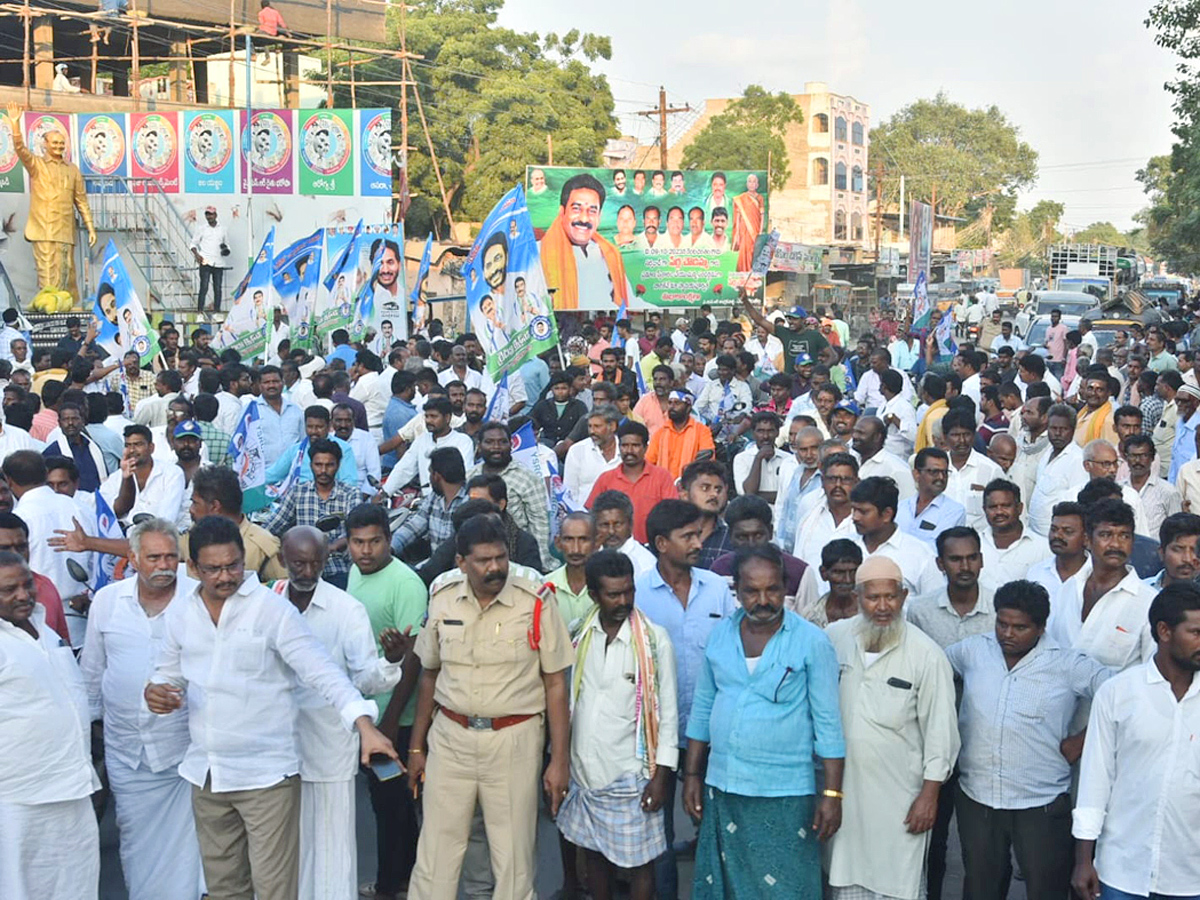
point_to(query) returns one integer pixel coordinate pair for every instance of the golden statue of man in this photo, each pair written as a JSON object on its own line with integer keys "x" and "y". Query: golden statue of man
{"x": 56, "y": 190}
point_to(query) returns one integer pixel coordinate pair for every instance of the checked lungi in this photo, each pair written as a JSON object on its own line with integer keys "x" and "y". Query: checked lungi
{"x": 611, "y": 821}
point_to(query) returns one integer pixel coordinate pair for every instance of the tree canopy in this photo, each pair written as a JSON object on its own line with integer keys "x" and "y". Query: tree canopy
{"x": 746, "y": 134}
{"x": 491, "y": 97}
{"x": 972, "y": 158}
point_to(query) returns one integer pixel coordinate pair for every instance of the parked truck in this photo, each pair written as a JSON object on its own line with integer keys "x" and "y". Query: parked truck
{"x": 1102, "y": 270}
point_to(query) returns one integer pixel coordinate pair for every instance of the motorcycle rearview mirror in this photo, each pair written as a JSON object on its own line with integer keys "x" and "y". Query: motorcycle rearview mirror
{"x": 328, "y": 523}
{"x": 142, "y": 517}
{"x": 78, "y": 572}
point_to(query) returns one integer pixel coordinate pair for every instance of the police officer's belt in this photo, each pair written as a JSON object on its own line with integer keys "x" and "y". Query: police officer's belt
{"x": 483, "y": 723}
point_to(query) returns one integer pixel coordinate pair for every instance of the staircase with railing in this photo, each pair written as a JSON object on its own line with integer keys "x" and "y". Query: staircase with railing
{"x": 154, "y": 235}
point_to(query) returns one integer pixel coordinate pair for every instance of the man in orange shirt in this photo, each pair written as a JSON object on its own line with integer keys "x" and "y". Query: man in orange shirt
{"x": 682, "y": 439}
{"x": 652, "y": 407}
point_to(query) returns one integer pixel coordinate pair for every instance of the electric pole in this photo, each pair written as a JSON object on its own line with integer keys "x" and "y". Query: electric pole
{"x": 662, "y": 111}
{"x": 879, "y": 172}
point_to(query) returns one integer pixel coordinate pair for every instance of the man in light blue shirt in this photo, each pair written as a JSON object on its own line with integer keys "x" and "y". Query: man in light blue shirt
{"x": 930, "y": 512}
{"x": 536, "y": 375}
{"x": 316, "y": 428}
{"x": 1020, "y": 692}
{"x": 281, "y": 420}
{"x": 400, "y": 410}
{"x": 688, "y": 602}
{"x": 342, "y": 349}
{"x": 1187, "y": 398}
{"x": 766, "y": 702}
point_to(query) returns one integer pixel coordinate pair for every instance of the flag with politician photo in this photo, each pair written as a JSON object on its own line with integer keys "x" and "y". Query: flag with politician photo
{"x": 335, "y": 299}
{"x": 639, "y": 237}
{"x": 245, "y": 328}
{"x": 508, "y": 306}
{"x": 121, "y": 323}
{"x": 297, "y": 278}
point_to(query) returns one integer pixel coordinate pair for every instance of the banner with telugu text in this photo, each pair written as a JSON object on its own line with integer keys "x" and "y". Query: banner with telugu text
{"x": 268, "y": 155}
{"x": 102, "y": 151}
{"x": 326, "y": 152}
{"x": 650, "y": 236}
{"x": 154, "y": 150}
{"x": 208, "y": 139}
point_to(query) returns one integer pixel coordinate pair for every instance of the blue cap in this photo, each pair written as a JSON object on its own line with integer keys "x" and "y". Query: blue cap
{"x": 847, "y": 404}
{"x": 188, "y": 428}
{"x": 798, "y": 312}
{"x": 804, "y": 359}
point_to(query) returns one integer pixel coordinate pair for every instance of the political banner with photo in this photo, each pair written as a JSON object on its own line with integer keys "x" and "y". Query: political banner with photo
{"x": 102, "y": 157}
{"x": 245, "y": 328}
{"x": 507, "y": 303}
{"x": 12, "y": 173}
{"x": 154, "y": 150}
{"x": 339, "y": 289}
{"x": 37, "y": 125}
{"x": 267, "y": 150}
{"x": 208, "y": 140}
{"x": 800, "y": 259}
{"x": 326, "y": 152}
{"x": 121, "y": 322}
{"x": 375, "y": 152}
{"x": 645, "y": 236}
{"x": 418, "y": 299}
{"x": 297, "y": 280}
{"x": 246, "y": 459}
{"x": 920, "y": 253}
{"x": 381, "y": 306}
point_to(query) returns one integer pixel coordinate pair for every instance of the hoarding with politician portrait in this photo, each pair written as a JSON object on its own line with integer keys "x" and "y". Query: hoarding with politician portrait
{"x": 650, "y": 237}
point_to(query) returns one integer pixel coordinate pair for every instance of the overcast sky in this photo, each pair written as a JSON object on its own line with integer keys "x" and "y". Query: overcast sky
{"x": 1083, "y": 82}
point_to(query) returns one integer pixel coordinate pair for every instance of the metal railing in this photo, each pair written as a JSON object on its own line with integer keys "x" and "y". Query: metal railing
{"x": 155, "y": 233}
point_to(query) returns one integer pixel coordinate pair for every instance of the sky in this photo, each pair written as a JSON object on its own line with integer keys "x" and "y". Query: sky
{"x": 1083, "y": 82}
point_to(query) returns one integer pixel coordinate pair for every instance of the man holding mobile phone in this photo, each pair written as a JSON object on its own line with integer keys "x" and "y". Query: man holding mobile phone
{"x": 238, "y": 650}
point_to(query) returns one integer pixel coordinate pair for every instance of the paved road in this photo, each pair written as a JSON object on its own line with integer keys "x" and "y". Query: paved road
{"x": 549, "y": 872}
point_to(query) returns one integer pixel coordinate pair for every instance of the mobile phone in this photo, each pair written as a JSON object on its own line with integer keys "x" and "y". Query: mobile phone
{"x": 385, "y": 768}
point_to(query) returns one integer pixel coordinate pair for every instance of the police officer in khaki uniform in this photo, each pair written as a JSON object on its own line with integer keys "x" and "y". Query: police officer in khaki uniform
{"x": 494, "y": 653}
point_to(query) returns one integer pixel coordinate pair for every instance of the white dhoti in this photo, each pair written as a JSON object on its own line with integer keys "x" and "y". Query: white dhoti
{"x": 49, "y": 850}
{"x": 160, "y": 855}
{"x": 328, "y": 853}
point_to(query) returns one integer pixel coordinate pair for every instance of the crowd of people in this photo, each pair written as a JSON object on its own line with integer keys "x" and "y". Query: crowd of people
{"x": 828, "y": 592}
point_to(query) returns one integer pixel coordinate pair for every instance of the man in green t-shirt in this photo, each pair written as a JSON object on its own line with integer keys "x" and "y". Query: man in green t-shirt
{"x": 801, "y": 335}
{"x": 394, "y": 597}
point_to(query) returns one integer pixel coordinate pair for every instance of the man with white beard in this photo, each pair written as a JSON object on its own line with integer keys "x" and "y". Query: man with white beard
{"x": 160, "y": 857}
{"x": 328, "y": 752}
{"x": 897, "y": 699}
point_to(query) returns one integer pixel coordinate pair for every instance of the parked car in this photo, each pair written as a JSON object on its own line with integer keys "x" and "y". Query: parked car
{"x": 1072, "y": 303}
{"x": 1036, "y": 339}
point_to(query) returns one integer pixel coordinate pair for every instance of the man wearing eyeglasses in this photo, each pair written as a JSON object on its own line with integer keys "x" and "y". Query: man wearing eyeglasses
{"x": 237, "y": 649}
{"x": 1100, "y": 460}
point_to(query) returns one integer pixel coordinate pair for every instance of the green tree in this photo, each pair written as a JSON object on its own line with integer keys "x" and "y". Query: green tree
{"x": 1044, "y": 219}
{"x": 491, "y": 97}
{"x": 746, "y": 135}
{"x": 1101, "y": 233}
{"x": 972, "y": 158}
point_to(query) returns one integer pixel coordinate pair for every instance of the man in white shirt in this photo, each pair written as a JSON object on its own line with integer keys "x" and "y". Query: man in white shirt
{"x": 1136, "y": 815}
{"x": 831, "y": 517}
{"x": 724, "y": 393}
{"x": 328, "y": 752}
{"x": 873, "y": 504}
{"x": 1100, "y": 460}
{"x": 13, "y": 439}
{"x": 1160, "y": 499}
{"x": 365, "y": 447}
{"x": 144, "y": 484}
{"x": 235, "y": 384}
{"x": 1009, "y": 548}
{"x": 970, "y": 470}
{"x": 152, "y": 411}
{"x": 371, "y": 389}
{"x": 757, "y": 468}
{"x": 587, "y": 460}
{"x": 966, "y": 365}
{"x": 612, "y": 512}
{"x": 127, "y": 621}
{"x": 49, "y": 842}
{"x": 868, "y": 394}
{"x": 45, "y": 513}
{"x": 209, "y": 246}
{"x": 415, "y": 461}
{"x": 1059, "y": 473}
{"x": 898, "y": 415}
{"x": 867, "y": 441}
{"x": 238, "y": 650}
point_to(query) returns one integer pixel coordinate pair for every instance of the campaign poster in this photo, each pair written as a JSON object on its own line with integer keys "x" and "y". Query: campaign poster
{"x": 920, "y": 257}
{"x": 297, "y": 279}
{"x": 12, "y": 173}
{"x": 102, "y": 157}
{"x": 417, "y": 297}
{"x": 326, "y": 151}
{"x": 267, "y": 150}
{"x": 375, "y": 152}
{"x": 154, "y": 150}
{"x": 121, "y": 323}
{"x": 245, "y": 328}
{"x": 38, "y": 125}
{"x": 381, "y": 305}
{"x": 507, "y": 302}
{"x": 208, "y": 152}
{"x": 335, "y": 299}
{"x": 800, "y": 259}
{"x": 649, "y": 236}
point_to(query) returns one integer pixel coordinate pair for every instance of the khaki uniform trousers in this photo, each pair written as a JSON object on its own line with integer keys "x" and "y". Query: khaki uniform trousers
{"x": 55, "y": 265}
{"x": 250, "y": 840}
{"x": 501, "y": 770}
